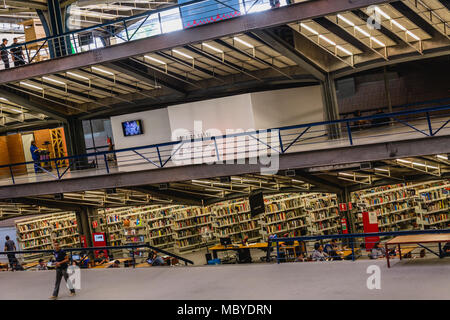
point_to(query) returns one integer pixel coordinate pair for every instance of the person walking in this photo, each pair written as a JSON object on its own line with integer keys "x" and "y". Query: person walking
{"x": 11, "y": 246}
{"x": 17, "y": 54}
{"x": 4, "y": 53}
{"x": 61, "y": 265}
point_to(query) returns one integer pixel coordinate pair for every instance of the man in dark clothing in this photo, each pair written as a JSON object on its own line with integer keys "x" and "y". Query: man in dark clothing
{"x": 4, "y": 53}
{"x": 17, "y": 54}
{"x": 35, "y": 155}
{"x": 10, "y": 246}
{"x": 62, "y": 263}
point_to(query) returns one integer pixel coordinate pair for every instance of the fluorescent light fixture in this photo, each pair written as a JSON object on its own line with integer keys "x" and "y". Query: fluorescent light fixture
{"x": 102, "y": 70}
{"x": 243, "y": 42}
{"x": 182, "y": 54}
{"x": 77, "y": 75}
{"x": 344, "y": 50}
{"x": 154, "y": 59}
{"x": 381, "y": 169}
{"x": 4, "y": 99}
{"x": 398, "y": 25}
{"x": 442, "y": 157}
{"x": 417, "y": 164}
{"x": 16, "y": 110}
{"x": 360, "y": 30}
{"x": 212, "y": 48}
{"x": 327, "y": 40}
{"x": 308, "y": 28}
{"x": 53, "y": 80}
{"x": 345, "y": 174}
{"x": 201, "y": 181}
{"x": 297, "y": 181}
{"x": 30, "y": 85}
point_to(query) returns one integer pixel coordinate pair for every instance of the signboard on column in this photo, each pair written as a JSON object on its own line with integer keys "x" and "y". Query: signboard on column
{"x": 370, "y": 223}
{"x": 99, "y": 240}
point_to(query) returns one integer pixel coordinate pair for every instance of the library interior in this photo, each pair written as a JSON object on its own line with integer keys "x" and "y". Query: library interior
{"x": 144, "y": 144}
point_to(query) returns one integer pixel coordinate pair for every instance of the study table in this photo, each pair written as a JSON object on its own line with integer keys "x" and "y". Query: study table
{"x": 258, "y": 245}
{"x": 417, "y": 239}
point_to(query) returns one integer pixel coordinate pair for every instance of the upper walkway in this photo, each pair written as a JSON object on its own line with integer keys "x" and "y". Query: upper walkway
{"x": 408, "y": 134}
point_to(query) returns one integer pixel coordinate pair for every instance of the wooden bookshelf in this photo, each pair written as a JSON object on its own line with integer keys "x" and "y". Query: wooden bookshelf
{"x": 434, "y": 205}
{"x": 323, "y": 213}
{"x": 40, "y": 233}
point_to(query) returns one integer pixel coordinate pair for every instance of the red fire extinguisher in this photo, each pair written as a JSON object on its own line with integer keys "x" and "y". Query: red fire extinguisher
{"x": 344, "y": 226}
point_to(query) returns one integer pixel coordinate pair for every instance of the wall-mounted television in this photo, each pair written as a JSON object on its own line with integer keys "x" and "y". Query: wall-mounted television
{"x": 132, "y": 128}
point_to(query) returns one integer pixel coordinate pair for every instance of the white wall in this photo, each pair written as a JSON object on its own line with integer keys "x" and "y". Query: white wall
{"x": 287, "y": 107}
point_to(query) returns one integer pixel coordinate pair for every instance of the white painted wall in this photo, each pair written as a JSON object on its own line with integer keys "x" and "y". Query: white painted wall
{"x": 260, "y": 110}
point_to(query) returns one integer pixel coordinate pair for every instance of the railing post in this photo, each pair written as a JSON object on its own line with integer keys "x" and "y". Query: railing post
{"x": 429, "y": 124}
{"x": 217, "y": 149}
{"x": 349, "y": 131}
{"x": 353, "y": 249}
{"x": 159, "y": 156}
{"x": 12, "y": 175}
{"x": 134, "y": 259}
{"x": 281, "y": 141}
{"x": 57, "y": 169}
{"x": 106, "y": 163}
{"x": 278, "y": 252}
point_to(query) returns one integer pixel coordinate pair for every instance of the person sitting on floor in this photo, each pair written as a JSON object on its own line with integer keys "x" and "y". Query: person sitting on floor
{"x": 319, "y": 254}
{"x": 101, "y": 259}
{"x": 331, "y": 249}
{"x": 42, "y": 265}
{"x": 377, "y": 251}
{"x": 154, "y": 259}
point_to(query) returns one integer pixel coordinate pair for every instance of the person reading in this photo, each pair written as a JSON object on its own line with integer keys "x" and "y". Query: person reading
{"x": 101, "y": 259}
{"x": 319, "y": 254}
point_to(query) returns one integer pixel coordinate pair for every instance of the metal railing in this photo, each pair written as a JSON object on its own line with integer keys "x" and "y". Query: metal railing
{"x": 243, "y": 146}
{"x": 353, "y": 244}
{"x": 151, "y": 23}
{"x": 131, "y": 247}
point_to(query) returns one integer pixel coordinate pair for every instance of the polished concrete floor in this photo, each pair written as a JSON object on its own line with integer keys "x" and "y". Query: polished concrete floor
{"x": 407, "y": 279}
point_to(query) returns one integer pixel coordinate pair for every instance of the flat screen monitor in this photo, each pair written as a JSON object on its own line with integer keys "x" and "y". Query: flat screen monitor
{"x": 256, "y": 201}
{"x": 75, "y": 257}
{"x": 132, "y": 128}
{"x": 225, "y": 241}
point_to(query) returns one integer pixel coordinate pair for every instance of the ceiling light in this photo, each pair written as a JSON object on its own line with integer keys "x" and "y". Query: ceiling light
{"x": 344, "y": 50}
{"x": 345, "y": 174}
{"x": 243, "y": 42}
{"x": 398, "y": 25}
{"x": 154, "y": 59}
{"x": 102, "y": 70}
{"x": 30, "y": 85}
{"x": 16, "y": 110}
{"x": 4, "y": 99}
{"x": 327, "y": 40}
{"x": 77, "y": 75}
{"x": 182, "y": 54}
{"x": 442, "y": 157}
{"x": 212, "y": 48}
{"x": 417, "y": 164}
{"x": 53, "y": 80}
{"x": 308, "y": 28}
{"x": 360, "y": 30}
{"x": 381, "y": 169}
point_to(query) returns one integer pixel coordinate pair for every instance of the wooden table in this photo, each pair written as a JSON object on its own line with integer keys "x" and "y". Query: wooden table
{"x": 417, "y": 239}
{"x": 258, "y": 245}
{"x": 107, "y": 264}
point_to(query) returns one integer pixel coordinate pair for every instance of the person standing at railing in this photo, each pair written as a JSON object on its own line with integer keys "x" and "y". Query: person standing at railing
{"x": 10, "y": 246}
{"x": 17, "y": 54}
{"x": 4, "y": 53}
{"x": 36, "y": 156}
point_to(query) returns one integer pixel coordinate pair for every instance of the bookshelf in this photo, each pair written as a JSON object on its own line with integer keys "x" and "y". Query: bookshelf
{"x": 187, "y": 226}
{"x": 159, "y": 223}
{"x": 284, "y": 213}
{"x": 233, "y": 219}
{"x": 434, "y": 205}
{"x": 323, "y": 213}
{"x": 39, "y": 233}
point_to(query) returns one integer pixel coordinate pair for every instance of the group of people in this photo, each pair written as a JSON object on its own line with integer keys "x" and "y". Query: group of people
{"x": 16, "y": 53}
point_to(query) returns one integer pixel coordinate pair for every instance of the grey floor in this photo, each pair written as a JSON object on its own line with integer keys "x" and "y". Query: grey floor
{"x": 407, "y": 279}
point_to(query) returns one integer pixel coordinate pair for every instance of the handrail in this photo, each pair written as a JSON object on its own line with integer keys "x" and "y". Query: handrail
{"x": 144, "y": 245}
{"x": 347, "y": 121}
{"x": 354, "y": 235}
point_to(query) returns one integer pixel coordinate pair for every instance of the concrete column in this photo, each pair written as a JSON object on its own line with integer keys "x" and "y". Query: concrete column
{"x": 76, "y": 145}
{"x": 331, "y": 109}
{"x": 84, "y": 225}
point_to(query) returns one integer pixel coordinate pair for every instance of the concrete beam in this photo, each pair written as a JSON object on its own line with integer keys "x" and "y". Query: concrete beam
{"x": 300, "y": 160}
{"x": 246, "y": 23}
